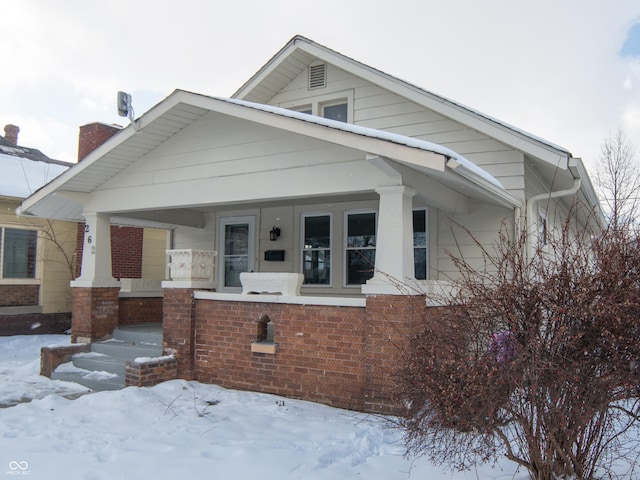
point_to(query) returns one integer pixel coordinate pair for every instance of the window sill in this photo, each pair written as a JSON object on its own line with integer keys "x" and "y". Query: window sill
{"x": 262, "y": 347}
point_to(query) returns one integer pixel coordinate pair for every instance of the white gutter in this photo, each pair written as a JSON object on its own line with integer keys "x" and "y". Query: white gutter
{"x": 532, "y": 201}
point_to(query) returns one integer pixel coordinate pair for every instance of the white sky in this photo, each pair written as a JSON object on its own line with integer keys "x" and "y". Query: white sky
{"x": 550, "y": 67}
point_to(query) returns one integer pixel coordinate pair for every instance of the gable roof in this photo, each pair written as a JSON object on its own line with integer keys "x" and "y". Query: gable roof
{"x": 300, "y": 52}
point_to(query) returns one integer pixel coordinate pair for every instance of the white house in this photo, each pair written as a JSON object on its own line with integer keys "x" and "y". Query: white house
{"x": 319, "y": 166}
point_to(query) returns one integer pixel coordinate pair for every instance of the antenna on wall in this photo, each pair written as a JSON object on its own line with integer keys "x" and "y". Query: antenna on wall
{"x": 125, "y": 108}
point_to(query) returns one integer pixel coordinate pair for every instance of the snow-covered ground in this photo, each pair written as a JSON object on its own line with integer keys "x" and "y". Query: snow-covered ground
{"x": 188, "y": 430}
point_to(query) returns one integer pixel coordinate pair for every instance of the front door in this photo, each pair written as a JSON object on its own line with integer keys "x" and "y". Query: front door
{"x": 237, "y": 246}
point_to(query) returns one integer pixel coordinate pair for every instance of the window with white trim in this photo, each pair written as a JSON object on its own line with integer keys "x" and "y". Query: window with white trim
{"x": 335, "y": 106}
{"x": 420, "y": 243}
{"x": 316, "y": 249}
{"x": 360, "y": 250}
{"x": 18, "y": 252}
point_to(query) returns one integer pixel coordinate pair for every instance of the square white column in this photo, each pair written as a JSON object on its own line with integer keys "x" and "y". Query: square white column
{"x": 394, "y": 268}
{"x": 96, "y": 253}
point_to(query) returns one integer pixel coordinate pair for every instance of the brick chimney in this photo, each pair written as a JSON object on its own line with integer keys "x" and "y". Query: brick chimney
{"x": 92, "y": 136}
{"x": 11, "y": 133}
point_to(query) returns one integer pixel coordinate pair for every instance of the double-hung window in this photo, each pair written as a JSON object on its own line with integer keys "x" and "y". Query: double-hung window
{"x": 316, "y": 251}
{"x": 18, "y": 253}
{"x": 360, "y": 254}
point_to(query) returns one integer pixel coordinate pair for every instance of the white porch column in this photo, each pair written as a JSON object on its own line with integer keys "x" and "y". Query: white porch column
{"x": 96, "y": 253}
{"x": 394, "y": 269}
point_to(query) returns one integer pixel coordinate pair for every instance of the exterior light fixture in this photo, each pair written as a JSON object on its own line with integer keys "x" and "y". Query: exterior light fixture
{"x": 274, "y": 234}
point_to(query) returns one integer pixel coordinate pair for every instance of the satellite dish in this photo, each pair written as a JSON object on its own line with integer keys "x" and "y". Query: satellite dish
{"x": 125, "y": 109}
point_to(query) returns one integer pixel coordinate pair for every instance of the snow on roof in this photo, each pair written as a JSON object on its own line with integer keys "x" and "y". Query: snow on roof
{"x": 22, "y": 176}
{"x": 373, "y": 133}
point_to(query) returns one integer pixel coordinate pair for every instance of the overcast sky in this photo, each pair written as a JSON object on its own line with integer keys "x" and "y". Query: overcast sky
{"x": 565, "y": 70}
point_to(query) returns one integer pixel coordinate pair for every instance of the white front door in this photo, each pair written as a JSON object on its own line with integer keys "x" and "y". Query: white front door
{"x": 237, "y": 246}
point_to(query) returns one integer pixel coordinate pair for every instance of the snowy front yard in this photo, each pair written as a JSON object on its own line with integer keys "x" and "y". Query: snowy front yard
{"x": 188, "y": 430}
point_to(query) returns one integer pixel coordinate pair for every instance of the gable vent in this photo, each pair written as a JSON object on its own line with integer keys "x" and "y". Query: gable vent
{"x": 318, "y": 76}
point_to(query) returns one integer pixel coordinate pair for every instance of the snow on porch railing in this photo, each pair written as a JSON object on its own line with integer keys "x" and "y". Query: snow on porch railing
{"x": 188, "y": 264}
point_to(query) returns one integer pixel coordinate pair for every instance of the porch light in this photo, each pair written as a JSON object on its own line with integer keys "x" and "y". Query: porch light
{"x": 274, "y": 234}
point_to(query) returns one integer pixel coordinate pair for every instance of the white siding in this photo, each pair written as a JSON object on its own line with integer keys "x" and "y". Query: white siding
{"x": 482, "y": 225}
{"x": 378, "y": 108}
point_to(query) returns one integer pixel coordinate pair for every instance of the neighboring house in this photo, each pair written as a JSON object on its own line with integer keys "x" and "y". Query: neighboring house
{"x": 39, "y": 257}
{"x": 36, "y": 255}
{"x": 318, "y": 169}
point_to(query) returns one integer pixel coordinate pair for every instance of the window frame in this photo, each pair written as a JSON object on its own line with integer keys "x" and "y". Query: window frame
{"x": 36, "y": 267}
{"x": 346, "y": 248}
{"x": 317, "y": 104}
{"x": 426, "y": 245}
{"x": 303, "y": 249}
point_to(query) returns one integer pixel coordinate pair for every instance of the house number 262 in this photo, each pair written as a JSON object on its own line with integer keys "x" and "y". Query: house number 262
{"x": 89, "y": 239}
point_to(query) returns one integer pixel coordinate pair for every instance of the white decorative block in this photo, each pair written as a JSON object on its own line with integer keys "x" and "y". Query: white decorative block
{"x": 271, "y": 282}
{"x": 188, "y": 264}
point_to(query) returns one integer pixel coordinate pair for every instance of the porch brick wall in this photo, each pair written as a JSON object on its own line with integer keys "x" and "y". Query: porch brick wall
{"x": 126, "y": 251}
{"x": 19, "y": 295}
{"x": 148, "y": 374}
{"x": 178, "y": 328}
{"x": 95, "y": 312}
{"x": 140, "y": 310}
{"x": 52, "y": 357}
{"x": 319, "y": 355}
{"x": 391, "y": 320}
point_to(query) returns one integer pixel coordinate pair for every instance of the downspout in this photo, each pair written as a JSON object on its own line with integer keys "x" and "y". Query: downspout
{"x": 532, "y": 201}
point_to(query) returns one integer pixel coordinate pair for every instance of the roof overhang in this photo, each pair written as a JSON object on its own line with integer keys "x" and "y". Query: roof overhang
{"x": 66, "y": 195}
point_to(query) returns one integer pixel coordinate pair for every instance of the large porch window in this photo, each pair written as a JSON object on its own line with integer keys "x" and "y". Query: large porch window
{"x": 18, "y": 253}
{"x": 360, "y": 252}
{"x": 316, "y": 252}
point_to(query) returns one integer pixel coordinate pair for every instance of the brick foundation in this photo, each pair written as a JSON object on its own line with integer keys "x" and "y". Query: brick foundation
{"x": 52, "y": 357}
{"x": 147, "y": 374}
{"x": 34, "y": 323}
{"x": 95, "y": 313}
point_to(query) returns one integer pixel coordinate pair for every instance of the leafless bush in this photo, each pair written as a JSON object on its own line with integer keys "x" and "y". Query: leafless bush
{"x": 539, "y": 360}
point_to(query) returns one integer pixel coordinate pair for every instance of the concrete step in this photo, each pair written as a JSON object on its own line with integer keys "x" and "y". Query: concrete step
{"x": 99, "y": 362}
{"x": 140, "y": 334}
{"x": 103, "y": 368}
{"x": 126, "y": 351}
{"x": 97, "y": 381}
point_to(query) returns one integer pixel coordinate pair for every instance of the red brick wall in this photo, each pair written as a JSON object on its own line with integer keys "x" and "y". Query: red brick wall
{"x": 391, "y": 319}
{"x": 126, "y": 251}
{"x": 140, "y": 310}
{"x": 148, "y": 374}
{"x": 95, "y": 312}
{"x": 320, "y": 350}
{"x": 178, "y": 328}
{"x": 19, "y": 295}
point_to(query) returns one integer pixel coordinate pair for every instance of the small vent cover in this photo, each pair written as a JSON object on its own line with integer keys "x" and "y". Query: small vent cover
{"x": 318, "y": 76}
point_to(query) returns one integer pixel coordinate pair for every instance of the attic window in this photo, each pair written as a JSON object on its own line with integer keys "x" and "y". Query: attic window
{"x": 318, "y": 76}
